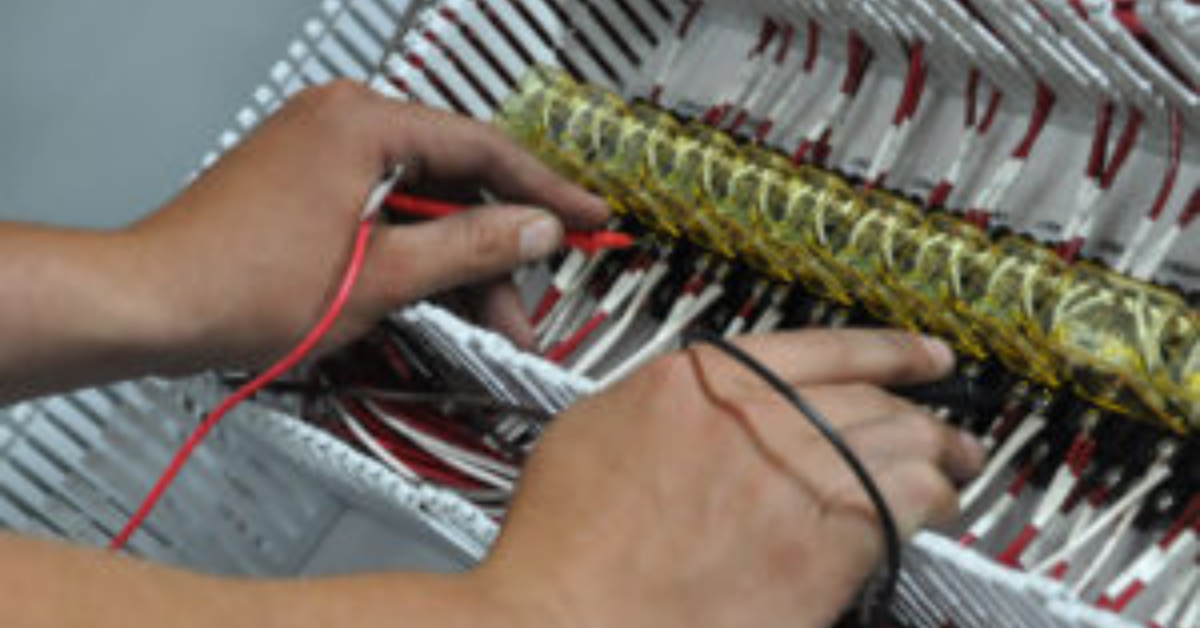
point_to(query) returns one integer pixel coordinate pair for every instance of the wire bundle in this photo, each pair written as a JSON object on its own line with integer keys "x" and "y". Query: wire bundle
{"x": 1126, "y": 346}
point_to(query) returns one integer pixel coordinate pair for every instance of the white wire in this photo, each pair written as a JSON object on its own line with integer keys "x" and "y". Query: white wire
{"x": 1177, "y": 598}
{"x": 573, "y": 291}
{"x": 598, "y": 351}
{"x": 363, "y": 436}
{"x": 475, "y": 466}
{"x": 1192, "y": 616}
{"x": 1155, "y": 476}
{"x": 668, "y": 334}
{"x": 1106, "y": 552}
{"x": 1029, "y": 428}
{"x": 415, "y": 434}
{"x": 768, "y": 321}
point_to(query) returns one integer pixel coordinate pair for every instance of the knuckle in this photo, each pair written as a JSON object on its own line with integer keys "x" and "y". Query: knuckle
{"x": 926, "y": 435}
{"x": 338, "y": 94}
{"x": 486, "y": 240}
{"x": 336, "y": 106}
{"x": 492, "y": 141}
{"x": 932, "y": 491}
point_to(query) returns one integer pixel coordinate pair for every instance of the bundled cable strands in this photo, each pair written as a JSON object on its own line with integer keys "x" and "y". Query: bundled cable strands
{"x": 365, "y": 482}
{"x": 1127, "y": 346}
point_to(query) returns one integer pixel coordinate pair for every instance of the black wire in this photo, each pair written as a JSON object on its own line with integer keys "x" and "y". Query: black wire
{"x": 878, "y": 598}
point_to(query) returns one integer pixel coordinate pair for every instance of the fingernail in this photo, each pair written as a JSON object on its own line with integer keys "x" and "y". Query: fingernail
{"x": 540, "y": 237}
{"x": 976, "y": 454}
{"x": 942, "y": 354}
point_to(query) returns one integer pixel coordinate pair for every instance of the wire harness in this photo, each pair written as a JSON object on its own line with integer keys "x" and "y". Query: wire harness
{"x": 1126, "y": 346}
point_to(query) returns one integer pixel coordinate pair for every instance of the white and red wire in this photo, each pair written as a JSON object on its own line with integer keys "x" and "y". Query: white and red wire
{"x": 900, "y": 129}
{"x": 1102, "y": 171}
{"x": 1134, "y": 249}
{"x": 815, "y": 144}
{"x": 1010, "y": 171}
{"x": 617, "y": 296}
{"x": 975, "y": 128}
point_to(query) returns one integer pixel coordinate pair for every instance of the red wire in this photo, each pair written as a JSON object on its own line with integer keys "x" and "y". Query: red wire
{"x": 1041, "y": 113}
{"x": 1192, "y": 211}
{"x": 301, "y": 350}
{"x": 1129, "y": 136}
{"x": 972, "y": 98}
{"x": 766, "y": 35}
{"x": 785, "y": 48}
{"x": 912, "y": 85}
{"x": 858, "y": 57}
{"x": 993, "y": 108}
{"x": 1104, "y": 118}
{"x": 420, "y": 461}
{"x": 545, "y": 305}
{"x": 812, "y": 45}
{"x": 586, "y": 241}
{"x": 1172, "y": 172}
{"x": 689, "y": 18}
{"x": 563, "y": 350}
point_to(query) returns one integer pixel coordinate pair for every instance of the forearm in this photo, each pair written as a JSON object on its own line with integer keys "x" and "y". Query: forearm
{"x": 82, "y": 308}
{"x": 47, "y": 585}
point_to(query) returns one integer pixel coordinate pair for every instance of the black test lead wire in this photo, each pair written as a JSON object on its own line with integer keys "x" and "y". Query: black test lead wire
{"x": 877, "y": 598}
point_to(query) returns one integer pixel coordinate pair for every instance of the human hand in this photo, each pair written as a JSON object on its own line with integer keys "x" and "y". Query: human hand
{"x": 250, "y": 253}
{"x": 692, "y": 495}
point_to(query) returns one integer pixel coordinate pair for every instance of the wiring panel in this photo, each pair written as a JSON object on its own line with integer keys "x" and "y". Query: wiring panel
{"x": 1020, "y": 178}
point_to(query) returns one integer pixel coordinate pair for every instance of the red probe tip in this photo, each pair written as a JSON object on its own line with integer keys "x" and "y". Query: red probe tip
{"x": 594, "y": 241}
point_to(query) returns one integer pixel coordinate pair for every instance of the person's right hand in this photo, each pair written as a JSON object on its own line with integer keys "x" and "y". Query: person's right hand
{"x": 694, "y": 496}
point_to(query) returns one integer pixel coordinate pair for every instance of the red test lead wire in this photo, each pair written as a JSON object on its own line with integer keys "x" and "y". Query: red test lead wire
{"x": 586, "y": 241}
{"x": 305, "y": 347}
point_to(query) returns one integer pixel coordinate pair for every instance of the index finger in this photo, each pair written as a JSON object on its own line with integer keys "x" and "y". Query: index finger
{"x": 448, "y": 146}
{"x": 843, "y": 356}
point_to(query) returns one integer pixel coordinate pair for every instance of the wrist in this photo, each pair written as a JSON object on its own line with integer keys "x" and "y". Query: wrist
{"x": 160, "y": 317}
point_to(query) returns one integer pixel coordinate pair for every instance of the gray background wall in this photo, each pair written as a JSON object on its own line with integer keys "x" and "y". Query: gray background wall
{"x": 106, "y": 106}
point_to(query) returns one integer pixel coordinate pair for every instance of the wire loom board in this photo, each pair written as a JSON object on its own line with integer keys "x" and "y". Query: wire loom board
{"x": 72, "y": 469}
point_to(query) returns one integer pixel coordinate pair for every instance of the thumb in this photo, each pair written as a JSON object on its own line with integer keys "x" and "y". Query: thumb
{"x": 418, "y": 260}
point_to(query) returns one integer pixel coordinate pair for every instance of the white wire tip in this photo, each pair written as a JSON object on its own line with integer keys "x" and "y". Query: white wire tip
{"x": 381, "y": 190}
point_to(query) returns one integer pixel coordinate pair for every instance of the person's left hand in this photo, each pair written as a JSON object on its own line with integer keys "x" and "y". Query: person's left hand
{"x": 250, "y": 253}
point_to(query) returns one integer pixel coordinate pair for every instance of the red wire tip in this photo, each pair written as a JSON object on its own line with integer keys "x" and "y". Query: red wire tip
{"x": 596, "y": 241}
{"x": 1069, "y": 251}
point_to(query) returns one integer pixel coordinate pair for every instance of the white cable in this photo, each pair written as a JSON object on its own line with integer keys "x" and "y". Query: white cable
{"x": 1135, "y": 245}
{"x": 1157, "y": 474}
{"x": 598, "y": 351}
{"x": 363, "y": 436}
{"x": 416, "y": 435}
{"x": 739, "y": 322}
{"x": 486, "y": 471}
{"x": 1025, "y": 432}
{"x": 1105, "y": 554}
{"x": 1153, "y": 259}
{"x": 773, "y": 315}
{"x": 1177, "y": 596}
{"x": 1192, "y": 617}
{"x": 575, "y": 271}
{"x": 996, "y": 513}
{"x": 564, "y": 314}
{"x": 665, "y": 336}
